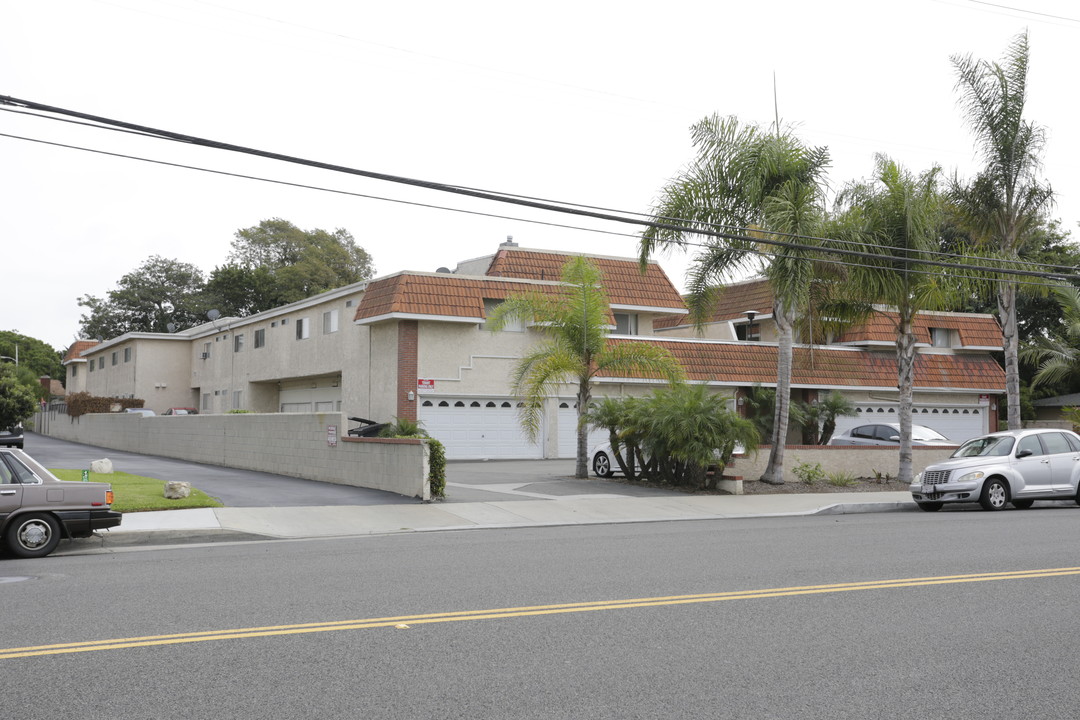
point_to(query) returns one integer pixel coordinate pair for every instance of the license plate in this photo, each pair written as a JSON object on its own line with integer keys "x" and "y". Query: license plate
{"x": 928, "y": 489}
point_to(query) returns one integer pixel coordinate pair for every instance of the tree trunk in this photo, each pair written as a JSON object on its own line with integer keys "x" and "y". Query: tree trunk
{"x": 584, "y": 397}
{"x": 1011, "y": 340}
{"x": 905, "y": 364}
{"x": 774, "y": 471}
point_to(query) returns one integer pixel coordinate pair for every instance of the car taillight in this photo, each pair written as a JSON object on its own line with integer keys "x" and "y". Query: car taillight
{"x": 108, "y": 497}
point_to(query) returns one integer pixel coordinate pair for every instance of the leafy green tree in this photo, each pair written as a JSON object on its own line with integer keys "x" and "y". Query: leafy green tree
{"x": 237, "y": 291}
{"x": 39, "y": 357}
{"x": 17, "y": 402}
{"x": 300, "y": 263}
{"x": 575, "y": 322}
{"x": 897, "y": 218}
{"x": 1002, "y": 203}
{"x": 159, "y": 292}
{"x": 763, "y": 185}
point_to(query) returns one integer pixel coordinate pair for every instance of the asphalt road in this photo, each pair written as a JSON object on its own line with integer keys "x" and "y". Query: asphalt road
{"x": 811, "y": 617}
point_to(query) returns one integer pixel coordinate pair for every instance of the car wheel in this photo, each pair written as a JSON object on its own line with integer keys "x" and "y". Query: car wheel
{"x": 995, "y": 494}
{"x": 32, "y": 535}
{"x": 1023, "y": 504}
{"x": 601, "y": 465}
{"x": 930, "y": 506}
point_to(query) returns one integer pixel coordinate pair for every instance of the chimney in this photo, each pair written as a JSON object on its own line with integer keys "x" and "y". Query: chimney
{"x": 509, "y": 242}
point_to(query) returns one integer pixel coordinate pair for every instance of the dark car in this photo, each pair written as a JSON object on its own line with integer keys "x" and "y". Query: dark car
{"x": 12, "y": 437}
{"x": 37, "y": 509}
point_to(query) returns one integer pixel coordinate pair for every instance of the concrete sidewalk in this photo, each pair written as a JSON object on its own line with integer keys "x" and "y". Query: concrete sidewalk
{"x": 246, "y": 523}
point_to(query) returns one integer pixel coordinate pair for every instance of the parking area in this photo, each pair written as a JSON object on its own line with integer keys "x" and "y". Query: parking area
{"x": 467, "y": 481}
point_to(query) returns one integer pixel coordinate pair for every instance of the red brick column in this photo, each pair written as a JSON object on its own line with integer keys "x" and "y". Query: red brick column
{"x": 406, "y": 373}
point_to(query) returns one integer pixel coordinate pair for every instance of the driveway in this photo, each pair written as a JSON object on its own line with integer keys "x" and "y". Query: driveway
{"x": 491, "y": 481}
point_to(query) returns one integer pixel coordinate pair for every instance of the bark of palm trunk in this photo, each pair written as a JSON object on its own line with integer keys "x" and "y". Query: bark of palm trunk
{"x": 774, "y": 471}
{"x": 905, "y": 363}
{"x": 1010, "y": 341}
{"x": 584, "y": 396}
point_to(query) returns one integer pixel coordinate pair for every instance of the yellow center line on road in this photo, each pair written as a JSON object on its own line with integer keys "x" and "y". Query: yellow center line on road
{"x": 525, "y": 611}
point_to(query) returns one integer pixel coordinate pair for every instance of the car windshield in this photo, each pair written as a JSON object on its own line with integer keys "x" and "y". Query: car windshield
{"x": 925, "y": 433}
{"x": 990, "y": 445}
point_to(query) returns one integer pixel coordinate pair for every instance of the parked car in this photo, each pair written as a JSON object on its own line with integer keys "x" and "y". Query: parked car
{"x": 37, "y": 509}
{"x": 12, "y": 437}
{"x": 889, "y": 434}
{"x": 605, "y": 465}
{"x": 145, "y": 412}
{"x": 181, "y": 411}
{"x": 1018, "y": 466}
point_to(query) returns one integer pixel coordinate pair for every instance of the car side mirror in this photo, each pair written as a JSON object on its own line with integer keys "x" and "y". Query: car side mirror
{"x": 1023, "y": 453}
{"x": 895, "y": 438}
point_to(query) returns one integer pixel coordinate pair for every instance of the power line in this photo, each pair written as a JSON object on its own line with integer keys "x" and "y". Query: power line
{"x": 503, "y": 198}
{"x": 564, "y": 204}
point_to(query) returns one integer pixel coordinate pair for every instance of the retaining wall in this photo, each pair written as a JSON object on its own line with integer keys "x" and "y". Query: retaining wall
{"x": 295, "y": 444}
{"x": 862, "y": 461}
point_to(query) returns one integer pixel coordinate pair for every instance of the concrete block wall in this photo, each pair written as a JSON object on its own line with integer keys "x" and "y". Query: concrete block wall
{"x": 860, "y": 461}
{"x": 294, "y": 444}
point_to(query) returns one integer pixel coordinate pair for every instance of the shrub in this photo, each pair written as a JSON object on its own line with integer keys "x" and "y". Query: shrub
{"x": 81, "y": 403}
{"x": 841, "y": 479}
{"x": 808, "y": 474}
{"x": 437, "y": 464}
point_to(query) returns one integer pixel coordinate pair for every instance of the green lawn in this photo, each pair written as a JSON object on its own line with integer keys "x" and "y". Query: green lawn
{"x": 135, "y": 493}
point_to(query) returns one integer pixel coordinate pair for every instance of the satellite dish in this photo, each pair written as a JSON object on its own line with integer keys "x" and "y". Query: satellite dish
{"x": 213, "y": 314}
{"x": 443, "y": 270}
{"x": 171, "y": 327}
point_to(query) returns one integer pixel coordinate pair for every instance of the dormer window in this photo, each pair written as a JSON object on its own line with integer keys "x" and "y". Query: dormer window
{"x": 626, "y": 324}
{"x": 940, "y": 337}
{"x": 512, "y": 324}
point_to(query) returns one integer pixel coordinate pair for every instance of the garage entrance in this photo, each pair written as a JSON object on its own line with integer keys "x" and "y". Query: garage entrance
{"x": 479, "y": 428}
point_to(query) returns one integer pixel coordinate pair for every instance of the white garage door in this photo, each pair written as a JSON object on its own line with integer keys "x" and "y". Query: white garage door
{"x": 958, "y": 423}
{"x": 478, "y": 429}
{"x": 567, "y": 419}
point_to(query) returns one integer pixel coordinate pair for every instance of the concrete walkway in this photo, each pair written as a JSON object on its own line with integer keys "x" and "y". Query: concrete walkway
{"x": 245, "y": 523}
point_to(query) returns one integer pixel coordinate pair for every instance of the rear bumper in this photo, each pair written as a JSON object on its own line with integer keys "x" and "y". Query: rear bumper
{"x": 82, "y": 523}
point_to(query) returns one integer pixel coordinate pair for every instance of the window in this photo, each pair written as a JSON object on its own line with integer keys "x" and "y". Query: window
{"x": 91, "y": 366}
{"x": 330, "y": 322}
{"x": 748, "y": 332}
{"x": 101, "y": 362}
{"x": 303, "y": 329}
{"x": 260, "y": 338}
{"x": 1055, "y": 443}
{"x": 940, "y": 337}
{"x": 127, "y": 354}
{"x": 205, "y": 350}
{"x": 237, "y": 399}
{"x": 1031, "y": 442}
{"x": 626, "y": 324}
{"x": 114, "y": 357}
{"x": 74, "y": 371}
{"x": 238, "y": 342}
{"x": 511, "y": 324}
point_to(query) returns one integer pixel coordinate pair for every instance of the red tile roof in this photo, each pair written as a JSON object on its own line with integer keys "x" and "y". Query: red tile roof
{"x": 77, "y": 348}
{"x": 731, "y": 303}
{"x": 749, "y": 363}
{"x": 974, "y": 330}
{"x": 438, "y": 295}
{"x": 622, "y": 277}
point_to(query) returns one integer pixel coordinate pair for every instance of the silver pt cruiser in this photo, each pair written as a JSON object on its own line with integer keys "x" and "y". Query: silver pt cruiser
{"x": 1018, "y": 466}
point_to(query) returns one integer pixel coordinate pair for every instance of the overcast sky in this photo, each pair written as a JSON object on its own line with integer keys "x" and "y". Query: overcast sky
{"x": 586, "y": 102}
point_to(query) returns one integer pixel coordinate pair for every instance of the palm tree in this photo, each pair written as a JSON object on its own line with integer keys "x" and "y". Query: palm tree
{"x": 1056, "y": 359}
{"x": 897, "y": 217}
{"x": 1006, "y": 198}
{"x": 766, "y": 185}
{"x": 576, "y": 322}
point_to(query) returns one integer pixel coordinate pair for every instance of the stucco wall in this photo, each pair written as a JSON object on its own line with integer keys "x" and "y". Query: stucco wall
{"x": 862, "y": 462}
{"x": 282, "y": 443}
